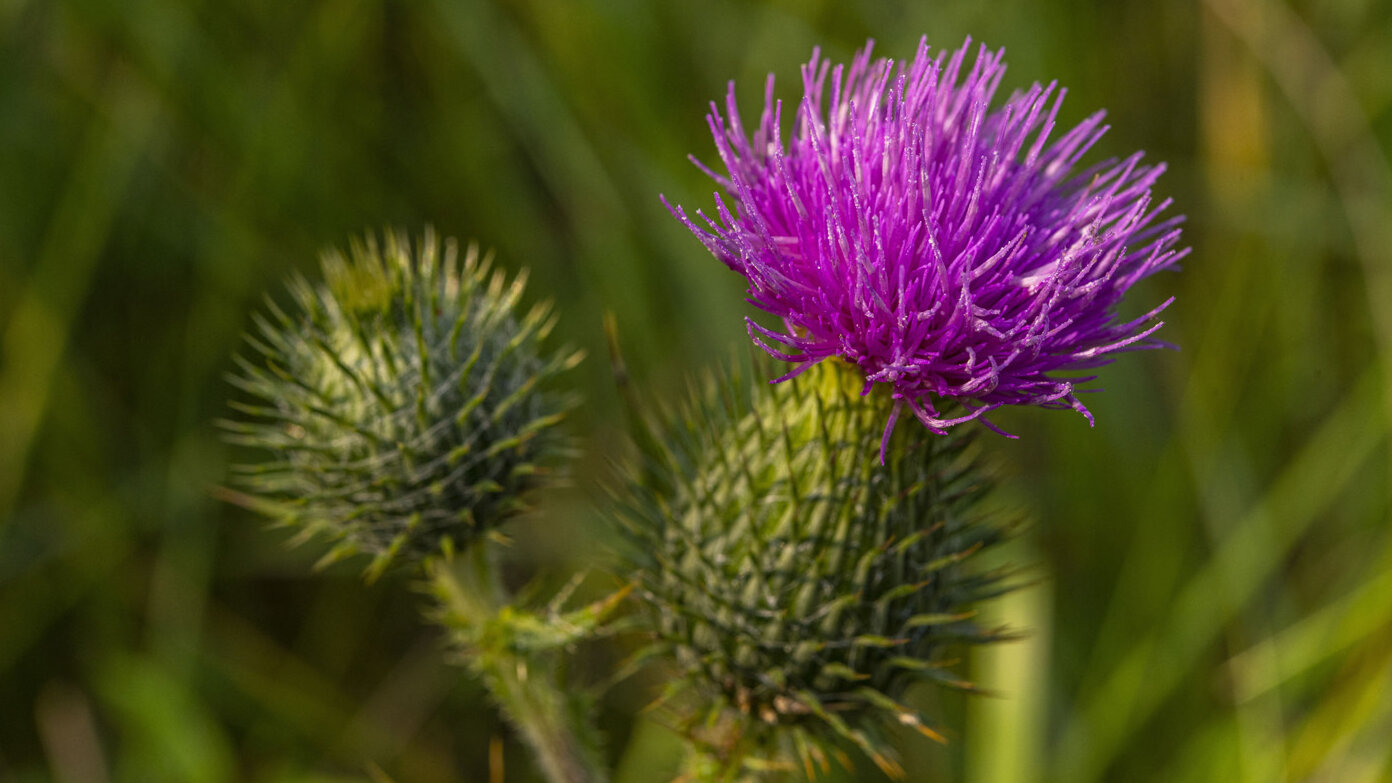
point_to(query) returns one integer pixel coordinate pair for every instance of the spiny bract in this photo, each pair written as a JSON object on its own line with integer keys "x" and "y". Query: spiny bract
{"x": 800, "y": 584}
{"x": 403, "y": 400}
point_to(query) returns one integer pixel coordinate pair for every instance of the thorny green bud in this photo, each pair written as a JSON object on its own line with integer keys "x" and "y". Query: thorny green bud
{"x": 406, "y": 404}
{"x": 801, "y": 585}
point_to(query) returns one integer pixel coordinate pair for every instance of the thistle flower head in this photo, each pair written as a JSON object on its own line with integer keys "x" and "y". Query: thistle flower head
{"x": 403, "y": 399}
{"x": 801, "y": 587}
{"x": 950, "y": 250}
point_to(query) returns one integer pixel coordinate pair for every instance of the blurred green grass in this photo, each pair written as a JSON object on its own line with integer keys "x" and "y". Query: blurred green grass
{"x": 1214, "y": 558}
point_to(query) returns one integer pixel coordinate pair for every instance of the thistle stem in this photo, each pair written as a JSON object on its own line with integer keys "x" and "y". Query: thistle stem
{"x": 524, "y": 684}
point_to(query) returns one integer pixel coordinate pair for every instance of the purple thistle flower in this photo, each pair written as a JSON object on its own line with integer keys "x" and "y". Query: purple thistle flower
{"x": 944, "y": 248}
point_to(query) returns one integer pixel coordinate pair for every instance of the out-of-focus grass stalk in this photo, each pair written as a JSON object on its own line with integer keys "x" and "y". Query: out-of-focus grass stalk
{"x": 537, "y": 115}
{"x": 1331, "y": 630}
{"x": 1157, "y": 664}
{"x": 1236, "y": 143}
{"x": 1005, "y": 727}
{"x": 1345, "y": 737}
{"x": 1361, "y": 179}
{"x": 1252, "y": 539}
{"x": 69, "y": 733}
{"x": 1360, "y": 170}
{"x": 33, "y": 341}
{"x": 1336, "y": 740}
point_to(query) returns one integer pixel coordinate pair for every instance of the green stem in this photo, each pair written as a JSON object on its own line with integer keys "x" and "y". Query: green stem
{"x": 552, "y": 721}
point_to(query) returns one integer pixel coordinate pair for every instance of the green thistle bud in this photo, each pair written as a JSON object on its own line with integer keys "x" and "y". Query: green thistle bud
{"x": 404, "y": 401}
{"x": 801, "y": 585}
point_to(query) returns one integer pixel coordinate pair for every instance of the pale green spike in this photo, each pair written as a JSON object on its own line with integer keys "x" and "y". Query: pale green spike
{"x": 272, "y": 340}
{"x": 895, "y": 594}
{"x": 539, "y": 424}
{"x": 340, "y": 551}
{"x": 925, "y": 620}
{"x": 813, "y": 751}
{"x": 877, "y": 641}
{"x": 910, "y": 541}
{"x": 942, "y": 677}
{"x": 384, "y": 558}
{"x": 843, "y": 672}
{"x": 859, "y": 738}
{"x": 903, "y": 715}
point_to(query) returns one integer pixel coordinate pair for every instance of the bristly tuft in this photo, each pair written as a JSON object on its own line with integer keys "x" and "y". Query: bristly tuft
{"x": 951, "y": 251}
{"x": 405, "y": 403}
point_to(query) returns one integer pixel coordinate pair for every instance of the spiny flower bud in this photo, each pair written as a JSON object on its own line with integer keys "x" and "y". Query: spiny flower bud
{"x": 403, "y": 399}
{"x": 800, "y": 584}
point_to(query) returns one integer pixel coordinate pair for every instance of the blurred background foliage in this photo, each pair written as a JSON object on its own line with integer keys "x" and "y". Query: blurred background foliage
{"x": 1213, "y": 561}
